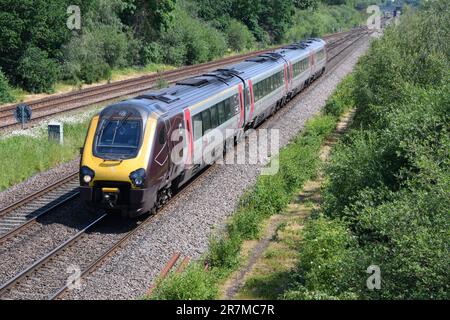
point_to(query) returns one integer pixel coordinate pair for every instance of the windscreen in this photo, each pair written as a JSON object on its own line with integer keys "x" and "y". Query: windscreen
{"x": 118, "y": 139}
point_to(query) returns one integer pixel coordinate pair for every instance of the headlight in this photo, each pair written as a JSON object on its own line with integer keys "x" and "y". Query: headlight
{"x": 86, "y": 175}
{"x": 138, "y": 178}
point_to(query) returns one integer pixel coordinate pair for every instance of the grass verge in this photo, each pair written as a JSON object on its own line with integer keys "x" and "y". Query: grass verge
{"x": 24, "y": 155}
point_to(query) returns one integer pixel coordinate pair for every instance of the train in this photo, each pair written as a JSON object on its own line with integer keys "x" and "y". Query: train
{"x": 139, "y": 151}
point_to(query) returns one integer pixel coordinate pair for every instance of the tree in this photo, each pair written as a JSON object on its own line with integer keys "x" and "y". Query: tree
{"x": 306, "y": 4}
{"x": 148, "y": 17}
{"x": 275, "y": 17}
{"x": 248, "y": 12}
{"x": 37, "y": 72}
{"x": 5, "y": 95}
{"x": 239, "y": 36}
{"x": 217, "y": 13}
{"x": 25, "y": 23}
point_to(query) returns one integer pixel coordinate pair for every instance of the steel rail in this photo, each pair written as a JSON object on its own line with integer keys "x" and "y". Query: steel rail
{"x": 16, "y": 279}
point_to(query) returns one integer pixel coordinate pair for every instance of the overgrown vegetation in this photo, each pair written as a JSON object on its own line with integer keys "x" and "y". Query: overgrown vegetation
{"x": 299, "y": 162}
{"x": 323, "y": 20}
{"x": 5, "y": 90}
{"x": 37, "y": 49}
{"x": 386, "y": 202}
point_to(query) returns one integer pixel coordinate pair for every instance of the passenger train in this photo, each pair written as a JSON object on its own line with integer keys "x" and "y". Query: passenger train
{"x": 127, "y": 163}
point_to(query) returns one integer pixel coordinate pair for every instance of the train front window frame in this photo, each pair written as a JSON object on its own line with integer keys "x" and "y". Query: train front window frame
{"x": 118, "y": 139}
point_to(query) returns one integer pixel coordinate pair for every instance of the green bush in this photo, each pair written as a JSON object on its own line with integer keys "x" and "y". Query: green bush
{"x": 5, "y": 90}
{"x": 224, "y": 251}
{"x": 342, "y": 99}
{"x": 91, "y": 56}
{"x": 193, "y": 284}
{"x": 389, "y": 177}
{"x": 37, "y": 72}
{"x": 190, "y": 41}
{"x": 327, "y": 262}
{"x": 217, "y": 43}
{"x": 153, "y": 53}
{"x": 408, "y": 238}
{"x": 239, "y": 36}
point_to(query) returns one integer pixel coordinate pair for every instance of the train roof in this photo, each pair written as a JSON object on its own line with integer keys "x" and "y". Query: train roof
{"x": 198, "y": 88}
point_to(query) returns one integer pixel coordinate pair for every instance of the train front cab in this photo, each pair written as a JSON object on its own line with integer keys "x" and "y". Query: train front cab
{"x": 114, "y": 171}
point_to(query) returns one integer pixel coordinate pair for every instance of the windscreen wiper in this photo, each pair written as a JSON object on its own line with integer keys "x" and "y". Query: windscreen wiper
{"x": 123, "y": 121}
{"x": 105, "y": 125}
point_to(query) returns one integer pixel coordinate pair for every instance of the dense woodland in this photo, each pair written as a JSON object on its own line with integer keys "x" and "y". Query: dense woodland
{"x": 37, "y": 49}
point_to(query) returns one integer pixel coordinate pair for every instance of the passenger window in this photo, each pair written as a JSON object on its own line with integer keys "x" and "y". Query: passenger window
{"x": 206, "y": 117}
{"x": 197, "y": 120}
{"x": 228, "y": 109}
{"x": 257, "y": 91}
{"x": 221, "y": 112}
{"x": 235, "y": 100}
{"x": 214, "y": 117}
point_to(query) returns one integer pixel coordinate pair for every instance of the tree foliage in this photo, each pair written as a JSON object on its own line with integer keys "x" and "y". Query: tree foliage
{"x": 148, "y": 17}
{"x": 190, "y": 41}
{"x": 37, "y": 72}
{"x": 30, "y": 23}
{"x": 5, "y": 95}
{"x": 124, "y": 33}
{"x": 239, "y": 36}
{"x": 386, "y": 200}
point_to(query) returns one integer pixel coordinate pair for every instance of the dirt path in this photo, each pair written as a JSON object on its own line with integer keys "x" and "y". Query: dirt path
{"x": 269, "y": 262}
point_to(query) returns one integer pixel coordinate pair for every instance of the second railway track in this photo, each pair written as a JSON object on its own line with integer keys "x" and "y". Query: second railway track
{"x": 26, "y": 211}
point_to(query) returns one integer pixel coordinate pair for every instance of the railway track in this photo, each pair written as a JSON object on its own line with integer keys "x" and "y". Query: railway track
{"x": 47, "y": 277}
{"x": 25, "y": 212}
{"x": 54, "y": 105}
{"x": 82, "y": 253}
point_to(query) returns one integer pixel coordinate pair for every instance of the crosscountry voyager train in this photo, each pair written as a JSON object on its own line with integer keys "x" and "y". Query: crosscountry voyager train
{"x": 127, "y": 162}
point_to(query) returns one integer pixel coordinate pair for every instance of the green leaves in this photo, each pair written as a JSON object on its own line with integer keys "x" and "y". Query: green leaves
{"x": 37, "y": 72}
{"x": 29, "y": 24}
{"x": 5, "y": 90}
{"x": 386, "y": 200}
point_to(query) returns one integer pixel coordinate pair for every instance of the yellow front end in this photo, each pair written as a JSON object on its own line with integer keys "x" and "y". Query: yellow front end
{"x": 111, "y": 179}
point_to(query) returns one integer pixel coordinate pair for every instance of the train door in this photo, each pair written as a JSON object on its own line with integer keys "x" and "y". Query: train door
{"x": 251, "y": 101}
{"x": 160, "y": 168}
{"x": 177, "y": 141}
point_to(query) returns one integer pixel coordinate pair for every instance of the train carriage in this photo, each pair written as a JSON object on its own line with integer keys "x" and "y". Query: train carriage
{"x": 139, "y": 150}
